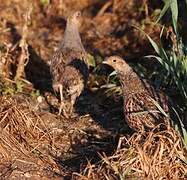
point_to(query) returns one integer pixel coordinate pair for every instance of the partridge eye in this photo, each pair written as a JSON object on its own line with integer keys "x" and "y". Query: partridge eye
{"x": 114, "y": 60}
{"x": 78, "y": 14}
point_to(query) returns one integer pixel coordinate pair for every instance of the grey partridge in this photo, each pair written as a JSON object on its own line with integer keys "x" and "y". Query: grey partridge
{"x": 69, "y": 67}
{"x": 144, "y": 106}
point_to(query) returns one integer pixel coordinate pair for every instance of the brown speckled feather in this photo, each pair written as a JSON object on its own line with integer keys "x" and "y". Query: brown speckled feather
{"x": 142, "y": 102}
{"x": 68, "y": 67}
{"x": 63, "y": 66}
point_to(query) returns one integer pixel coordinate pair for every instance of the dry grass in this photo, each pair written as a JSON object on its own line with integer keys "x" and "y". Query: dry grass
{"x": 22, "y": 140}
{"x": 30, "y": 146}
{"x": 153, "y": 155}
{"x": 38, "y": 144}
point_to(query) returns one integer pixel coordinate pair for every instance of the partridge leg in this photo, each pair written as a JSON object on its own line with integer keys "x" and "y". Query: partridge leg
{"x": 73, "y": 99}
{"x": 62, "y": 105}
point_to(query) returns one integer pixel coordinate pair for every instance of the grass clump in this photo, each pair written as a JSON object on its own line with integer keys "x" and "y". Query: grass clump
{"x": 152, "y": 155}
{"x": 173, "y": 60}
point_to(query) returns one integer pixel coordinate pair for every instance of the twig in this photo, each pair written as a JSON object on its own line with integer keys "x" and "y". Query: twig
{"x": 104, "y": 8}
{"x": 24, "y": 57}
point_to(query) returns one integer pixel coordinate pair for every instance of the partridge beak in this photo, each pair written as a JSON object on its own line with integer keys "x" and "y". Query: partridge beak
{"x": 105, "y": 61}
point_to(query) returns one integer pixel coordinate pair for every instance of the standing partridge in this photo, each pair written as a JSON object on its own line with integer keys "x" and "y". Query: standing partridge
{"x": 144, "y": 107}
{"x": 69, "y": 67}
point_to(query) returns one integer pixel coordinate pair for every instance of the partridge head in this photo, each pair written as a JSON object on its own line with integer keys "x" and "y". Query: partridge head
{"x": 117, "y": 63}
{"x": 74, "y": 18}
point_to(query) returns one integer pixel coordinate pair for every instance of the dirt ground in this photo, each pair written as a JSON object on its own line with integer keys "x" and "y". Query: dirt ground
{"x": 36, "y": 143}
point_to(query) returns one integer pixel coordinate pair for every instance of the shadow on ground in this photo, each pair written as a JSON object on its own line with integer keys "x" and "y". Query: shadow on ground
{"x": 38, "y": 72}
{"x": 100, "y": 123}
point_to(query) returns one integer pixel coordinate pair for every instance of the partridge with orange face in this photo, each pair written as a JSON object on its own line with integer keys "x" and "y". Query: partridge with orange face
{"x": 68, "y": 67}
{"x": 144, "y": 107}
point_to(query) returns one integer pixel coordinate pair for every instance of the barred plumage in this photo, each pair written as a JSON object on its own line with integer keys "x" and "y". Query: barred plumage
{"x": 144, "y": 106}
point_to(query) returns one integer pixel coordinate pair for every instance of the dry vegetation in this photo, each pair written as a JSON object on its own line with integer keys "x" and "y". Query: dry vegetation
{"x": 35, "y": 143}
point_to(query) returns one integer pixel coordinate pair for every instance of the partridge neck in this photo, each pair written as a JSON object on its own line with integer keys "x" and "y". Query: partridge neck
{"x": 131, "y": 82}
{"x": 72, "y": 38}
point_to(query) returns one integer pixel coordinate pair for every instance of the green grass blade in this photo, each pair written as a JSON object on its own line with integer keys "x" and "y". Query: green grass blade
{"x": 184, "y": 131}
{"x": 174, "y": 11}
{"x": 161, "y": 61}
{"x": 161, "y": 33}
{"x": 153, "y": 43}
{"x": 159, "y": 107}
{"x": 113, "y": 73}
{"x": 165, "y": 8}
